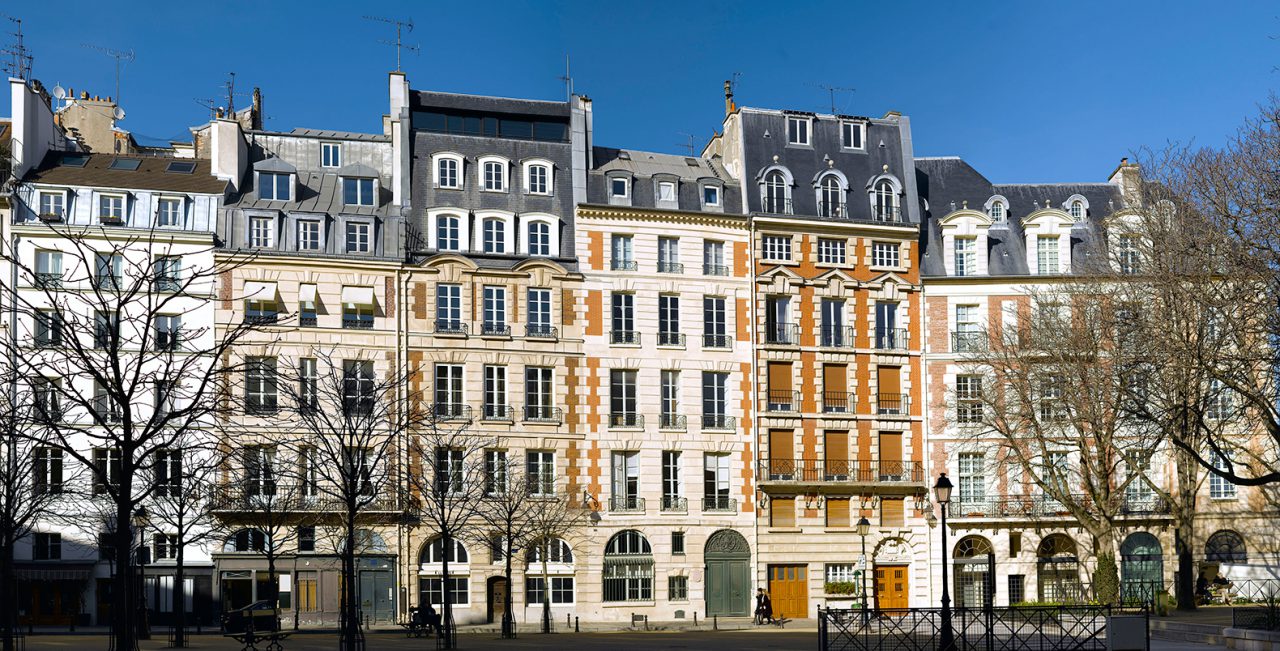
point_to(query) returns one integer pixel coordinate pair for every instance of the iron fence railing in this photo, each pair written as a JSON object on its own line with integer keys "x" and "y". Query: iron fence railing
{"x": 715, "y": 269}
{"x": 719, "y": 504}
{"x": 776, "y": 206}
{"x": 493, "y": 329}
{"x": 675, "y": 504}
{"x": 1259, "y": 618}
{"x": 670, "y": 267}
{"x": 784, "y": 401}
{"x": 1081, "y": 628}
{"x": 497, "y": 413}
{"x": 451, "y": 411}
{"x": 274, "y": 496}
{"x": 624, "y": 337}
{"x": 718, "y": 421}
{"x": 626, "y": 419}
{"x": 626, "y": 504}
{"x": 893, "y": 339}
{"x": 837, "y": 402}
{"x": 840, "y": 471}
{"x": 667, "y": 339}
{"x": 717, "y": 341}
{"x": 450, "y": 327}
{"x": 893, "y": 404}
{"x": 540, "y": 331}
{"x": 672, "y": 421}
{"x": 968, "y": 342}
{"x": 886, "y": 214}
{"x": 836, "y": 337}
{"x": 543, "y": 414}
{"x": 782, "y": 334}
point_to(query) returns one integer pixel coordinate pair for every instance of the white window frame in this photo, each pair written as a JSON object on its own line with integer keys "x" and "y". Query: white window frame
{"x": 964, "y": 256}
{"x": 1048, "y": 258}
{"x": 355, "y": 226}
{"x": 807, "y": 131}
{"x": 361, "y": 199}
{"x": 319, "y": 233}
{"x": 460, "y": 169}
{"x": 255, "y": 232}
{"x": 121, "y": 200}
{"x": 62, "y": 202}
{"x": 827, "y": 246}
{"x": 626, "y": 187}
{"x": 503, "y": 170}
{"x": 178, "y": 203}
{"x": 527, "y": 174}
{"x": 886, "y": 254}
{"x": 330, "y": 154}
{"x": 675, "y": 192}
{"x": 552, "y": 224}
{"x": 861, "y": 128}
{"x": 433, "y": 237}
{"x": 272, "y": 197}
{"x": 776, "y": 248}
{"x": 713, "y": 188}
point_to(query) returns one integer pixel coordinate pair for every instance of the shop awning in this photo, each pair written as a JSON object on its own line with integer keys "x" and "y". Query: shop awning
{"x": 258, "y": 290}
{"x": 307, "y": 294}
{"x": 357, "y": 295}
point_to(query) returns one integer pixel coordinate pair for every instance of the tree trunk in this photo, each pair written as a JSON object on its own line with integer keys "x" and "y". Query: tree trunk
{"x": 8, "y": 591}
{"x": 508, "y": 617}
{"x": 446, "y": 604}
{"x": 125, "y": 618}
{"x": 180, "y": 597}
{"x": 1184, "y": 529}
{"x": 350, "y": 620}
{"x": 546, "y": 590}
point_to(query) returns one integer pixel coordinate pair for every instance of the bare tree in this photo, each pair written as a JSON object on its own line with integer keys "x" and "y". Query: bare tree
{"x": 119, "y": 331}
{"x": 508, "y": 514}
{"x": 556, "y": 518}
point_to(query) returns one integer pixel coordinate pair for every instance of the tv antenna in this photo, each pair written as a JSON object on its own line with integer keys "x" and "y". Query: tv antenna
{"x": 688, "y": 143}
{"x": 126, "y": 56}
{"x": 398, "y": 43}
{"x": 567, "y": 79}
{"x": 20, "y": 66}
{"x": 831, "y": 92}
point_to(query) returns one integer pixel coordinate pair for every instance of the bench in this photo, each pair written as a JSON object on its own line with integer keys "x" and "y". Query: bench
{"x": 250, "y": 639}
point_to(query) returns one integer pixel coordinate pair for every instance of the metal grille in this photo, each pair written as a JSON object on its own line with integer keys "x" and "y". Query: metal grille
{"x": 1083, "y": 628}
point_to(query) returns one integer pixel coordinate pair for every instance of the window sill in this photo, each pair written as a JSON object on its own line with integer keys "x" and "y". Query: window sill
{"x": 877, "y": 267}
{"x": 797, "y": 145}
{"x": 666, "y": 346}
{"x": 784, "y": 530}
{"x": 627, "y": 604}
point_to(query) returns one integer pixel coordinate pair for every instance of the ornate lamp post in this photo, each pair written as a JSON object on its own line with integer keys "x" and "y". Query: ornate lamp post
{"x": 942, "y": 491}
{"x": 864, "y": 527}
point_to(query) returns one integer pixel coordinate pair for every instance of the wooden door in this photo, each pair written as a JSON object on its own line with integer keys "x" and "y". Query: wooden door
{"x": 497, "y": 598}
{"x": 789, "y": 591}
{"x": 728, "y": 587}
{"x": 891, "y": 586}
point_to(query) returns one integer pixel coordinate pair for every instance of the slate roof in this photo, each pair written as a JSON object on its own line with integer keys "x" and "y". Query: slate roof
{"x": 316, "y": 192}
{"x": 644, "y": 165}
{"x": 945, "y": 182}
{"x": 425, "y": 99}
{"x": 150, "y": 175}
{"x": 326, "y": 134}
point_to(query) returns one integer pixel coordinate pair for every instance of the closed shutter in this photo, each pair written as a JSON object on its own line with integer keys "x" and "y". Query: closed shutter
{"x": 837, "y": 512}
{"x": 782, "y": 512}
{"x": 836, "y": 454}
{"x": 889, "y": 380}
{"x": 892, "y": 513}
{"x": 781, "y": 443}
{"x": 890, "y": 448}
{"x": 835, "y": 379}
{"x": 779, "y": 376}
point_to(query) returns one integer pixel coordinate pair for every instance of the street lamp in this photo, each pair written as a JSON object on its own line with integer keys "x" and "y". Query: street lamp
{"x": 942, "y": 491}
{"x": 864, "y": 527}
{"x": 141, "y": 559}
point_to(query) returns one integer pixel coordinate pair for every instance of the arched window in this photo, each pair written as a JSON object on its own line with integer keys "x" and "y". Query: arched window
{"x": 1058, "y": 569}
{"x": 1226, "y": 547}
{"x": 538, "y": 179}
{"x": 539, "y": 238}
{"x": 430, "y": 582}
{"x": 558, "y": 571}
{"x": 830, "y": 197}
{"x": 448, "y": 173}
{"x": 885, "y": 199}
{"x": 495, "y": 176}
{"x": 432, "y": 553}
{"x": 628, "y": 567}
{"x": 775, "y": 194}
{"x": 557, "y": 552}
{"x": 1077, "y": 210}
{"x": 997, "y": 212}
{"x": 973, "y": 578}
{"x": 448, "y": 233}
{"x": 246, "y": 540}
{"x": 495, "y": 236}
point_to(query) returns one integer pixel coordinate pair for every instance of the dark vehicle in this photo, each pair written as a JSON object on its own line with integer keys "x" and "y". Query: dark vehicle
{"x": 265, "y": 617}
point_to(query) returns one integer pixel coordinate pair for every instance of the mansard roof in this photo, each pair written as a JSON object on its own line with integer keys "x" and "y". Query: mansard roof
{"x": 150, "y": 174}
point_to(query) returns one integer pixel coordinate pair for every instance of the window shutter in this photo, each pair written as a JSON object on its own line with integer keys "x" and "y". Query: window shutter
{"x": 892, "y": 513}
{"x": 779, "y": 376}
{"x": 782, "y": 512}
{"x": 837, "y": 512}
{"x": 836, "y": 451}
{"x": 835, "y": 378}
{"x": 781, "y": 444}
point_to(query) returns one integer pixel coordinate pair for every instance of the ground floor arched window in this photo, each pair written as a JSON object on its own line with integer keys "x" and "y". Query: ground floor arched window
{"x": 557, "y": 573}
{"x": 431, "y": 580}
{"x": 628, "y": 568}
{"x": 974, "y": 572}
{"x": 1141, "y": 567}
{"x": 1226, "y": 547}
{"x": 1058, "y": 570}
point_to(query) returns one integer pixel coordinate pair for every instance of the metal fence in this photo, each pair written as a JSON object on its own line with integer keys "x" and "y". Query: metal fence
{"x": 1083, "y": 628}
{"x": 1258, "y": 618}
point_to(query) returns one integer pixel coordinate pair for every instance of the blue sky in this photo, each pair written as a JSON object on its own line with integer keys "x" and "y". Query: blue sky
{"x": 1027, "y": 90}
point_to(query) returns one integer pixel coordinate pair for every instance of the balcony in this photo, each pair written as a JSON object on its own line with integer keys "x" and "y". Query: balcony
{"x": 781, "y": 334}
{"x": 261, "y": 318}
{"x": 108, "y": 283}
{"x": 674, "y": 422}
{"x": 837, "y": 337}
{"x": 307, "y": 320}
{"x": 892, "y": 339}
{"x": 674, "y": 339}
{"x": 351, "y": 322}
{"x": 498, "y": 413}
{"x": 624, "y": 337}
{"x": 776, "y": 206}
{"x": 715, "y": 270}
{"x": 718, "y": 422}
{"x": 451, "y": 327}
{"x": 675, "y": 504}
{"x": 837, "y": 402}
{"x": 717, "y": 341}
{"x": 626, "y": 420}
{"x": 626, "y": 504}
{"x": 832, "y": 210}
{"x": 783, "y": 401}
{"x": 167, "y": 284}
{"x": 892, "y": 214}
{"x": 968, "y": 342}
{"x": 495, "y": 330}
{"x": 817, "y": 471}
{"x": 540, "y": 331}
{"x": 670, "y": 267}
{"x": 623, "y": 265}
{"x": 719, "y": 504}
{"x": 48, "y": 281}
{"x": 451, "y": 412}
{"x": 543, "y": 414}
{"x": 259, "y": 495}
{"x": 258, "y": 408}
{"x": 893, "y": 404}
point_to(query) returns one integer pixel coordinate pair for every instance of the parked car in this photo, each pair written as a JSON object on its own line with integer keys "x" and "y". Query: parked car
{"x": 265, "y": 616}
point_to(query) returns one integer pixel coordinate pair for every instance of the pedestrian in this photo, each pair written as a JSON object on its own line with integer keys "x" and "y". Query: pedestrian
{"x": 761, "y": 599}
{"x": 433, "y": 620}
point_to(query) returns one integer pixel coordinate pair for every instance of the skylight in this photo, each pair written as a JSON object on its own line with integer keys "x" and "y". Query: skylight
{"x": 74, "y": 160}
{"x": 127, "y": 164}
{"x": 181, "y": 167}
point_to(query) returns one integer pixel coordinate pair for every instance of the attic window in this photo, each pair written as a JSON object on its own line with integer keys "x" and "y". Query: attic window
{"x": 691, "y": 162}
{"x": 624, "y": 155}
{"x": 180, "y": 167}
{"x": 127, "y": 164}
{"x": 73, "y": 161}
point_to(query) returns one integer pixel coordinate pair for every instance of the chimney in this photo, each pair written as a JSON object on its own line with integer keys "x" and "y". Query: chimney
{"x": 255, "y": 115}
{"x": 728, "y": 97}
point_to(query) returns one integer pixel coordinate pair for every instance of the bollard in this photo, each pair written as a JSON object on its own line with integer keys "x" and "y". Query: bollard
{"x": 646, "y": 622}
{"x": 575, "y": 625}
{"x": 695, "y": 619}
{"x": 715, "y": 622}
{"x": 566, "y": 620}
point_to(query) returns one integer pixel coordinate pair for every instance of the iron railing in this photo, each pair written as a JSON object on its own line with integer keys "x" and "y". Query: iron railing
{"x": 356, "y": 323}
{"x": 669, "y": 339}
{"x": 672, "y": 422}
{"x": 832, "y": 210}
{"x": 1257, "y": 618}
{"x": 718, "y": 421}
{"x": 626, "y": 419}
{"x": 307, "y": 321}
{"x": 886, "y": 213}
{"x": 715, "y": 270}
{"x": 262, "y": 318}
{"x": 624, "y": 337}
{"x": 840, "y": 471}
{"x": 262, "y": 495}
{"x": 893, "y": 339}
{"x": 623, "y": 265}
{"x": 675, "y": 504}
{"x": 497, "y": 413}
{"x": 837, "y": 337}
{"x": 1020, "y": 628}
{"x": 784, "y": 334}
{"x": 540, "y": 331}
{"x": 495, "y": 330}
{"x": 893, "y": 404}
{"x": 47, "y": 281}
{"x": 626, "y": 504}
{"x": 717, "y": 341}
{"x": 450, "y": 327}
{"x": 783, "y": 401}
{"x": 776, "y": 206}
{"x": 1044, "y": 506}
{"x": 451, "y": 412}
{"x": 968, "y": 342}
{"x": 670, "y": 267}
{"x": 543, "y": 414}
{"x": 837, "y": 402}
{"x": 719, "y": 504}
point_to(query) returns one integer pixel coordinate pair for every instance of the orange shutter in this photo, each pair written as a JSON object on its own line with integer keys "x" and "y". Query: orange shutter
{"x": 835, "y": 378}
{"x": 782, "y": 512}
{"x": 838, "y": 512}
{"x": 890, "y": 447}
{"x": 892, "y": 513}
{"x": 889, "y": 379}
{"x": 781, "y": 445}
{"x": 779, "y": 376}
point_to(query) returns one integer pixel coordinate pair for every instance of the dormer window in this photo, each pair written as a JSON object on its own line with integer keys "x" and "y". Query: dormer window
{"x": 851, "y": 135}
{"x": 885, "y": 201}
{"x": 169, "y": 213}
{"x": 274, "y": 187}
{"x": 358, "y": 237}
{"x": 111, "y": 208}
{"x": 330, "y": 154}
{"x": 1047, "y": 255}
{"x": 798, "y": 130}
{"x": 538, "y": 179}
{"x": 618, "y": 187}
{"x": 309, "y": 238}
{"x": 539, "y": 238}
{"x": 777, "y": 199}
{"x": 495, "y": 177}
{"x": 710, "y": 195}
{"x": 448, "y": 233}
{"x": 997, "y": 212}
{"x": 1077, "y": 210}
{"x": 358, "y": 192}
{"x": 493, "y": 234}
{"x": 261, "y": 232}
{"x": 966, "y": 261}
{"x": 830, "y": 197}
{"x": 667, "y": 191}
{"x": 448, "y": 170}
{"x": 52, "y": 205}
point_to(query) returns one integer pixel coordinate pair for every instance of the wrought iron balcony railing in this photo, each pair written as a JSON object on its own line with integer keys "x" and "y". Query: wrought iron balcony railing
{"x": 450, "y": 327}
{"x": 48, "y": 281}
{"x": 451, "y": 412}
{"x": 892, "y": 339}
{"x": 628, "y": 337}
{"x": 840, "y": 471}
{"x": 675, "y": 504}
{"x": 623, "y": 265}
{"x": 543, "y": 414}
{"x": 837, "y": 337}
{"x": 719, "y": 504}
{"x": 717, "y": 341}
{"x": 837, "y": 402}
{"x": 718, "y": 421}
{"x": 626, "y": 504}
{"x": 672, "y": 422}
{"x": 670, "y": 267}
{"x": 968, "y": 342}
{"x": 541, "y": 331}
{"x": 488, "y": 329}
{"x": 832, "y": 210}
{"x": 893, "y": 404}
{"x": 1044, "y": 506}
{"x": 783, "y": 401}
{"x": 886, "y": 213}
{"x": 784, "y": 334}
{"x": 776, "y": 206}
{"x": 497, "y": 413}
{"x": 626, "y": 419}
{"x": 671, "y": 339}
{"x": 355, "y": 323}
{"x": 715, "y": 269}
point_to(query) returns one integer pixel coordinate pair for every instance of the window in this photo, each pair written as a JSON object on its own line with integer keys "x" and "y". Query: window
{"x": 668, "y": 320}
{"x": 169, "y": 212}
{"x": 830, "y": 197}
{"x": 710, "y": 195}
{"x": 830, "y": 251}
{"x": 309, "y": 235}
{"x": 48, "y": 329}
{"x": 540, "y": 470}
{"x": 884, "y": 254}
{"x": 1077, "y": 210}
{"x": 358, "y": 192}
{"x": 624, "y": 321}
{"x": 833, "y": 331}
{"x": 46, "y": 546}
{"x": 969, "y": 398}
{"x": 777, "y": 247}
{"x": 308, "y": 471}
{"x": 625, "y": 495}
{"x": 165, "y": 545}
{"x": 449, "y": 309}
{"x": 448, "y": 387}
{"x": 997, "y": 211}
{"x": 106, "y": 330}
{"x": 777, "y": 199}
{"x": 109, "y": 270}
{"x": 628, "y": 568}
{"x": 494, "y": 236}
{"x": 851, "y": 135}
{"x": 714, "y": 323}
{"x": 330, "y": 154}
{"x": 358, "y": 237}
{"x": 677, "y": 588}
{"x": 357, "y": 386}
{"x": 168, "y": 473}
{"x": 48, "y": 269}
{"x": 965, "y": 256}
{"x": 677, "y": 542}
{"x": 1218, "y": 402}
{"x": 447, "y": 173}
{"x": 495, "y": 392}
{"x": 1047, "y": 254}
{"x": 1127, "y": 254}
{"x": 841, "y": 573}
{"x": 495, "y": 176}
{"x": 798, "y": 130}
{"x": 105, "y": 407}
{"x": 622, "y": 398}
{"x": 561, "y": 590}
{"x": 1051, "y": 409}
{"x": 622, "y": 253}
{"x": 782, "y": 512}
{"x": 46, "y": 473}
{"x": 168, "y": 273}
{"x": 111, "y": 207}
{"x": 715, "y": 400}
{"x": 448, "y": 233}
{"x": 671, "y": 480}
{"x": 669, "y": 255}
{"x": 838, "y": 512}
{"x": 618, "y": 187}
{"x": 539, "y": 238}
{"x": 260, "y": 385}
{"x": 48, "y": 399}
{"x": 973, "y": 480}
{"x": 667, "y": 192}
{"x": 715, "y": 483}
{"x": 893, "y": 512}
{"x": 261, "y": 232}
{"x": 885, "y": 201}
{"x": 713, "y": 262}
{"x": 1219, "y": 487}
{"x": 308, "y": 383}
{"x": 306, "y": 540}
{"x": 495, "y": 472}
{"x": 431, "y": 590}
{"x": 777, "y": 320}
{"x": 968, "y": 334}
{"x": 52, "y": 204}
{"x": 449, "y": 479}
{"x": 106, "y": 469}
{"x": 670, "y": 400}
{"x": 539, "y": 179}
{"x": 539, "y": 312}
{"x": 494, "y": 311}
{"x": 273, "y": 187}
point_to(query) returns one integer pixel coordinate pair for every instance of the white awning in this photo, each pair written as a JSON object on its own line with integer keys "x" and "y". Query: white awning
{"x": 307, "y": 294}
{"x": 357, "y": 295}
{"x": 259, "y": 291}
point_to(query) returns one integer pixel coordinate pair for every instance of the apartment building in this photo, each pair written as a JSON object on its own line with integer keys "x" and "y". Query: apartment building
{"x": 664, "y": 252}
{"x": 838, "y": 376}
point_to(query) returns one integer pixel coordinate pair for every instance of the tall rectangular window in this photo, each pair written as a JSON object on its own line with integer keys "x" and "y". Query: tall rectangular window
{"x": 669, "y": 255}
{"x": 965, "y": 256}
{"x": 495, "y": 176}
{"x": 260, "y": 385}
{"x": 626, "y": 481}
{"x": 495, "y": 392}
{"x": 495, "y": 311}
{"x": 623, "y": 259}
{"x": 715, "y": 403}
{"x": 449, "y": 308}
{"x": 715, "y": 482}
{"x": 969, "y": 398}
{"x": 798, "y": 130}
{"x": 671, "y": 492}
{"x": 624, "y": 319}
{"x": 308, "y": 384}
{"x": 538, "y": 393}
{"x": 833, "y": 329}
{"x": 972, "y": 478}
{"x": 260, "y": 469}
{"x": 448, "y": 390}
{"x": 449, "y": 471}
{"x": 48, "y": 269}
{"x": 968, "y": 332}
{"x": 669, "y": 320}
{"x": 330, "y": 154}
{"x": 169, "y": 212}
{"x": 540, "y": 470}
{"x": 777, "y": 320}
{"x": 46, "y": 546}
{"x": 1047, "y": 255}
{"x": 262, "y": 232}
{"x": 1219, "y": 487}
{"x": 622, "y": 398}
{"x": 851, "y": 135}
{"x": 168, "y": 473}
{"x": 713, "y": 260}
{"x": 1127, "y": 256}
{"x": 493, "y": 235}
{"x": 309, "y": 235}
{"x": 539, "y": 312}
{"x": 109, "y": 270}
{"x": 670, "y": 407}
{"x": 48, "y": 328}
{"x": 538, "y": 179}
{"x": 715, "y": 327}
{"x": 168, "y": 273}
{"x": 495, "y": 472}
{"x": 357, "y": 386}
{"x": 47, "y": 471}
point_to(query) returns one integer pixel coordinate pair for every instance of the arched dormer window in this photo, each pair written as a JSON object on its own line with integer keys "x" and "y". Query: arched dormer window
{"x": 1077, "y": 210}
{"x": 776, "y": 193}
{"x": 541, "y": 235}
{"x": 998, "y": 209}
{"x": 831, "y": 196}
{"x": 1076, "y": 206}
{"x": 493, "y": 173}
{"x": 447, "y": 168}
{"x": 884, "y": 201}
{"x": 493, "y": 233}
{"x": 448, "y": 233}
{"x": 538, "y": 176}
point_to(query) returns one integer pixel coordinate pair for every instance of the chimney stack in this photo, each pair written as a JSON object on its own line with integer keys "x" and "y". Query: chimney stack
{"x": 255, "y": 116}
{"x": 728, "y": 97}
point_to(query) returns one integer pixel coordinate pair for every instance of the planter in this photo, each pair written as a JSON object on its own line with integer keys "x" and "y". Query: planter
{"x": 50, "y": 217}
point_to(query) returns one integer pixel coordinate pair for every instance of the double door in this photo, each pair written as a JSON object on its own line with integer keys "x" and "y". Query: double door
{"x": 789, "y": 591}
{"x": 891, "y": 586}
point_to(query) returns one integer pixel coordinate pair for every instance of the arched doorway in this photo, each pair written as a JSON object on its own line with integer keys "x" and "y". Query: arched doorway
{"x": 728, "y": 578}
{"x": 1058, "y": 570}
{"x": 892, "y": 575}
{"x": 974, "y": 572}
{"x": 1226, "y": 547}
{"x": 1141, "y": 567}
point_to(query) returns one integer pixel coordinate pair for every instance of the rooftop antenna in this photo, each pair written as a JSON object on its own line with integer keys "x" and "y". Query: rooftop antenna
{"x": 230, "y": 85}
{"x": 831, "y": 91}
{"x": 119, "y": 55}
{"x": 733, "y": 82}
{"x": 688, "y": 144}
{"x": 567, "y": 79}
{"x": 20, "y": 66}
{"x": 398, "y": 43}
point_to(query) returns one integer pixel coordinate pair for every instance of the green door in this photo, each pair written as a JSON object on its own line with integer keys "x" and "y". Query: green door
{"x": 728, "y": 574}
{"x": 377, "y": 599}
